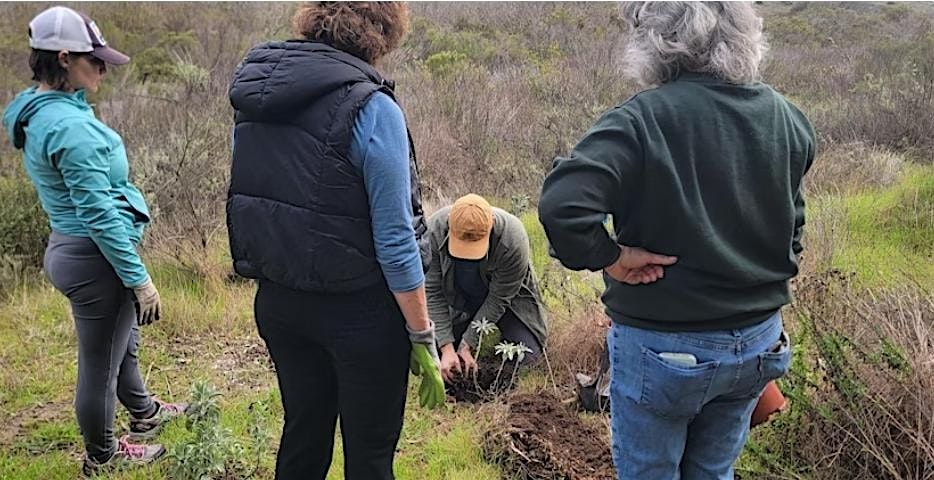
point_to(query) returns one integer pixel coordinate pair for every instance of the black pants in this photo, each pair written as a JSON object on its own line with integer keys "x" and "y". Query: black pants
{"x": 511, "y": 329}
{"x": 343, "y": 356}
{"x": 108, "y": 340}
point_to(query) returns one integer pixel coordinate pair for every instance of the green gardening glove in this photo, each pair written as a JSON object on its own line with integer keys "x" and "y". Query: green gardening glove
{"x": 424, "y": 362}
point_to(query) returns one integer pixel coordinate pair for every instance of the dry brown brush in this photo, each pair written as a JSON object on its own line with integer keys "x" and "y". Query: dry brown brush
{"x": 861, "y": 386}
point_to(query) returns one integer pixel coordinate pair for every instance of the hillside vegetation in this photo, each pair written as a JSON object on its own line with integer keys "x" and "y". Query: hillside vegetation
{"x": 492, "y": 93}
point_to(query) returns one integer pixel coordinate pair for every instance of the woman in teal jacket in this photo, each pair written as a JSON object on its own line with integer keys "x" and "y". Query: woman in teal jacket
{"x": 79, "y": 168}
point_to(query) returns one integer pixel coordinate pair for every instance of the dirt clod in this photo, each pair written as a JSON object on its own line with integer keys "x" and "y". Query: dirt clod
{"x": 485, "y": 387}
{"x": 542, "y": 439}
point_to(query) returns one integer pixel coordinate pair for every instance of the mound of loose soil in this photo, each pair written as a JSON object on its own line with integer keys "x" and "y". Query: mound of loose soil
{"x": 464, "y": 389}
{"x": 544, "y": 440}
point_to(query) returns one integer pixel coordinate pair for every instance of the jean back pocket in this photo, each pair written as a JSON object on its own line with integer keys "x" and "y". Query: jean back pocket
{"x": 775, "y": 362}
{"x": 675, "y": 391}
{"x": 770, "y": 365}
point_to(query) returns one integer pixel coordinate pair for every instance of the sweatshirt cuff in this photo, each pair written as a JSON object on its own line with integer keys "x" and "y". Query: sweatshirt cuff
{"x": 606, "y": 255}
{"x": 444, "y": 339}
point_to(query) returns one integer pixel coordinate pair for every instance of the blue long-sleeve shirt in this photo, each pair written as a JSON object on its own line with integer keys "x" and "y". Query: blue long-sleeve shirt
{"x": 380, "y": 149}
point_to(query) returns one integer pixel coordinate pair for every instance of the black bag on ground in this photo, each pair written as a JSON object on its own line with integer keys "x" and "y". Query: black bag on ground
{"x": 593, "y": 392}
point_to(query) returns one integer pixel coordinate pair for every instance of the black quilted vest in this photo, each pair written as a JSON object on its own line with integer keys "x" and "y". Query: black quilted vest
{"x": 297, "y": 209}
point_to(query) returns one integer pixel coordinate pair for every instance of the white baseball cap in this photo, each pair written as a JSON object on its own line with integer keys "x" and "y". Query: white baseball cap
{"x": 61, "y": 28}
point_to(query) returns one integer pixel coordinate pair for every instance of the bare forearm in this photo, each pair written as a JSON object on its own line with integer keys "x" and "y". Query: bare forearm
{"x": 414, "y": 307}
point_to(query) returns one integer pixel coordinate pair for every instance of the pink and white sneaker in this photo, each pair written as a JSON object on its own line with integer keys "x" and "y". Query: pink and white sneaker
{"x": 147, "y": 428}
{"x": 126, "y": 456}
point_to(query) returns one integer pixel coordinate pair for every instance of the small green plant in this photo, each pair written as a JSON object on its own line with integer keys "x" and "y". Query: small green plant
{"x": 446, "y": 64}
{"x": 211, "y": 447}
{"x": 520, "y": 350}
{"x": 483, "y": 327}
{"x": 24, "y": 229}
{"x": 509, "y": 352}
{"x": 519, "y": 204}
{"x": 894, "y": 357}
{"x": 258, "y": 430}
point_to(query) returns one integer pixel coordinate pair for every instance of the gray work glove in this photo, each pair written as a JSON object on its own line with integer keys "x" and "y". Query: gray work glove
{"x": 147, "y": 303}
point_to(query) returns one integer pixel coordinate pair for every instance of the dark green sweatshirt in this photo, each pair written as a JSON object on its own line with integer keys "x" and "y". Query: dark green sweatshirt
{"x": 698, "y": 168}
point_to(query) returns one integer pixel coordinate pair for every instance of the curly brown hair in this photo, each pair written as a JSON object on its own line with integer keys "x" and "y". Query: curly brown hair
{"x": 368, "y": 30}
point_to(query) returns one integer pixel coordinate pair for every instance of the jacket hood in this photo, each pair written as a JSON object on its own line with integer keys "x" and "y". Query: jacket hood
{"x": 277, "y": 78}
{"x": 27, "y": 103}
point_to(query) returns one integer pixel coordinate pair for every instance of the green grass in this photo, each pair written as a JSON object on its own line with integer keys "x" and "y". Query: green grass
{"x": 207, "y": 327}
{"x": 563, "y": 291}
{"x": 35, "y": 329}
{"x": 885, "y": 236}
{"x": 890, "y": 232}
{"x": 436, "y": 445}
{"x": 206, "y": 323}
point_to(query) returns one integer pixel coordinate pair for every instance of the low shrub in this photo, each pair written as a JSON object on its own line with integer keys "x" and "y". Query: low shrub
{"x": 860, "y": 386}
{"x": 24, "y": 230}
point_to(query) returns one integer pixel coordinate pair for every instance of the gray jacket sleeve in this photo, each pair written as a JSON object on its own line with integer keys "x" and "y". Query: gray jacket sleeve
{"x": 438, "y": 310}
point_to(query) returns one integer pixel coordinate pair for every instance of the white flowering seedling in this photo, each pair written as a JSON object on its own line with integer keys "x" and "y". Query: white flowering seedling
{"x": 483, "y": 327}
{"x": 509, "y": 352}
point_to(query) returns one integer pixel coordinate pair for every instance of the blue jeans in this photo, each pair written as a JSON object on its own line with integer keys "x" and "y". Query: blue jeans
{"x": 673, "y": 420}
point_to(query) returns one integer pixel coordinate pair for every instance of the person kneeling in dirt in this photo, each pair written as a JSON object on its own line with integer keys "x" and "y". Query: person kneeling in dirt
{"x": 480, "y": 271}
{"x": 706, "y": 167}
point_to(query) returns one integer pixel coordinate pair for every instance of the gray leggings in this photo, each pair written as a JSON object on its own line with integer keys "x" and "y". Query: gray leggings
{"x": 108, "y": 339}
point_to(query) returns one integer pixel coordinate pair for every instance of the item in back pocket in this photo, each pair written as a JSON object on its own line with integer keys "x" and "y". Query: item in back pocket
{"x": 679, "y": 359}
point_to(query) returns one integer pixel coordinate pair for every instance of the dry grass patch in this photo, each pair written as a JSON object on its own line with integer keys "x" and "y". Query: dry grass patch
{"x": 853, "y": 167}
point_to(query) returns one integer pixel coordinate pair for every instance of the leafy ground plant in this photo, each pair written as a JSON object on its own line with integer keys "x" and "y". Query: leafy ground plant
{"x": 509, "y": 352}
{"x": 483, "y": 328}
{"x": 258, "y": 430}
{"x": 212, "y": 450}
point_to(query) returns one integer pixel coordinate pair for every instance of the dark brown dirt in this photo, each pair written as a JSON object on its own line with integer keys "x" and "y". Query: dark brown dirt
{"x": 464, "y": 389}
{"x": 545, "y": 440}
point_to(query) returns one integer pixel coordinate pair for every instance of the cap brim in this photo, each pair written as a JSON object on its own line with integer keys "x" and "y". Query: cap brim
{"x": 468, "y": 250}
{"x": 111, "y": 56}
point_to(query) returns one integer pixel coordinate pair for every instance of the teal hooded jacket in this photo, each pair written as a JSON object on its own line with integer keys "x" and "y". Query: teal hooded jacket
{"x": 79, "y": 168}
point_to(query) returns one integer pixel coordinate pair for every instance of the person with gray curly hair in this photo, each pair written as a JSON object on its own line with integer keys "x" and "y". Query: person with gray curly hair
{"x": 723, "y": 39}
{"x": 705, "y": 165}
